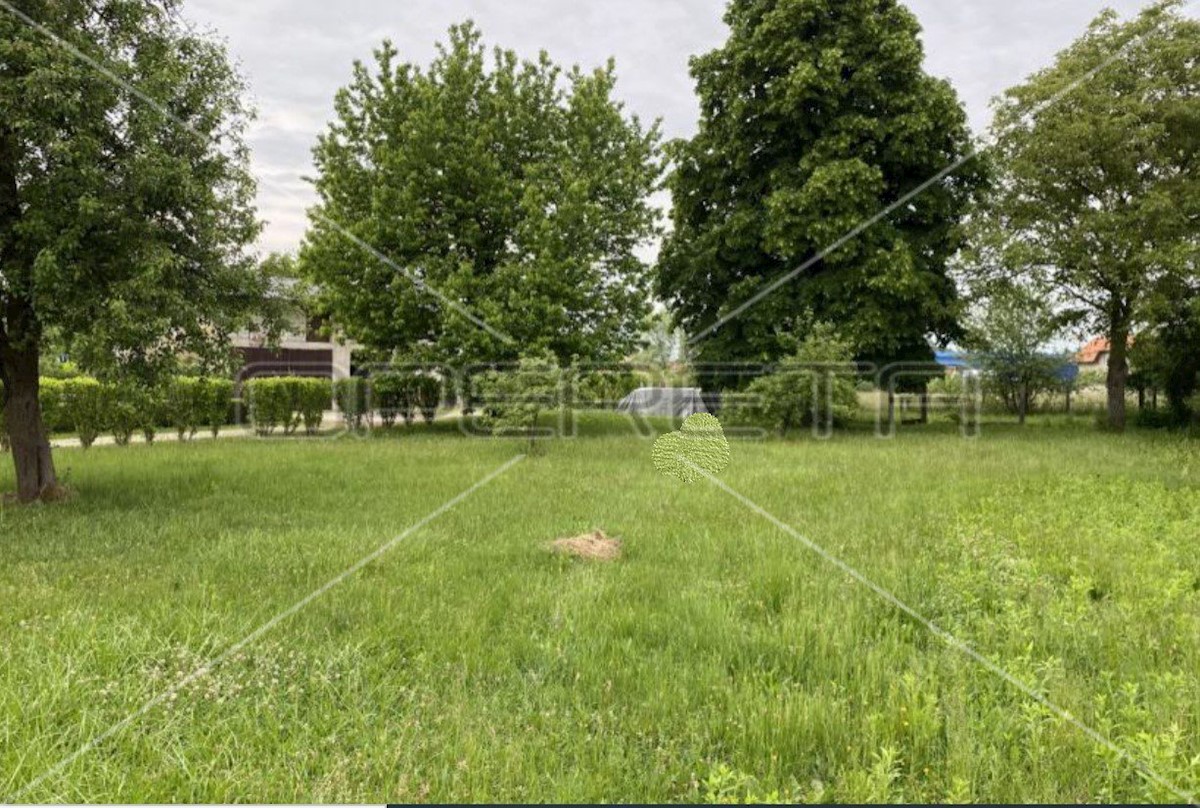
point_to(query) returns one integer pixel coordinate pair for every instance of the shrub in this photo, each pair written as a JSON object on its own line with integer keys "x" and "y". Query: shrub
{"x": 154, "y": 411}
{"x": 605, "y": 388}
{"x": 215, "y": 403}
{"x": 287, "y": 402}
{"x": 511, "y": 401}
{"x": 125, "y": 412}
{"x": 427, "y": 395}
{"x": 394, "y": 396}
{"x": 310, "y": 398}
{"x": 88, "y": 405}
{"x": 351, "y": 397}
{"x": 50, "y": 397}
{"x": 184, "y": 405}
{"x": 5, "y": 445}
{"x": 808, "y": 387}
{"x": 270, "y": 405}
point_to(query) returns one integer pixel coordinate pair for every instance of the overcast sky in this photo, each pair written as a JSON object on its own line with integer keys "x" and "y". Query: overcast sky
{"x": 296, "y": 53}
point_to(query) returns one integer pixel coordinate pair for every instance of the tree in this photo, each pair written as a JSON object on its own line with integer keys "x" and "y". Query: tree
{"x": 662, "y": 342}
{"x": 1165, "y": 353}
{"x": 815, "y": 116}
{"x": 515, "y": 398}
{"x": 512, "y": 190}
{"x": 122, "y": 220}
{"x": 1007, "y": 338}
{"x": 812, "y": 387}
{"x": 1098, "y": 197}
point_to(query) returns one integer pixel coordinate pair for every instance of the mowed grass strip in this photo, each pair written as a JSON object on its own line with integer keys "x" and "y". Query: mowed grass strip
{"x": 717, "y": 660}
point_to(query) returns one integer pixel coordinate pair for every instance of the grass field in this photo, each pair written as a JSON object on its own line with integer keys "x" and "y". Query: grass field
{"x": 718, "y": 660}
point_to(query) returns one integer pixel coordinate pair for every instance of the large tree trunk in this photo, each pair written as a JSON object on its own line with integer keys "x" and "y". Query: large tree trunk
{"x": 36, "y": 478}
{"x": 1118, "y": 373}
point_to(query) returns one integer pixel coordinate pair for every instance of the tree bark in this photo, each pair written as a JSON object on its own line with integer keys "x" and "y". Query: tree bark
{"x": 1118, "y": 373}
{"x": 36, "y": 478}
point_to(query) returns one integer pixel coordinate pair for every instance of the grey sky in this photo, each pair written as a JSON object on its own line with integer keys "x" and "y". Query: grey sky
{"x": 296, "y": 53}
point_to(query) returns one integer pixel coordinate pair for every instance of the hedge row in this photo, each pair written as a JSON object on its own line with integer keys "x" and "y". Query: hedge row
{"x": 399, "y": 395}
{"x": 287, "y": 403}
{"x": 90, "y": 408}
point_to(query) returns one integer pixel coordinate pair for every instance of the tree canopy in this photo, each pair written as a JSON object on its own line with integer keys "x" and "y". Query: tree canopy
{"x": 1098, "y": 195}
{"x": 815, "y": 116}
{"x": 511, "y": 189}
{"x": 125, "y": 200}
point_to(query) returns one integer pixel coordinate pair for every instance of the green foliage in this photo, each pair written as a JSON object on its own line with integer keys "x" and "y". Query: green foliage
{"x": 1008, "y": 338}
{"x": 50, "y": 397}
{"x": 1099, "y": 193}
{"x": 126, "y": 198}
{"x": 126, "y": 414}
{"x": 311, "y": 398}
{"x": 427, "y": 395}
{"x": 524, "y": 190}
{"x": 185, "y": 405}
{"x": 4, "y": 440}
{"x": 1165, "y": 356}
{"x": 87, "y": 405}
{"x": 815, "y": 116}
{"x": 513, "y": 399}
{"x": 352, "y": 396}
{"x": 270, "y": 405}
{"x": 605, "y": 388}
{"x": 393, "y": 396}
{"x": 816, "y": 385}
{"x": 217, "y": 401}
{"x": 138, "y": 223}
{"x": 287, "y": 403}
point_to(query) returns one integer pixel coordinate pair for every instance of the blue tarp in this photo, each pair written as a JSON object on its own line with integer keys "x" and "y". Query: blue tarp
{"x": 1067, "y": 373}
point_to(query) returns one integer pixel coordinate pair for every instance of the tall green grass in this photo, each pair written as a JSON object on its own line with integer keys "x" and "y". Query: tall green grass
{"x": 719, "y": 660}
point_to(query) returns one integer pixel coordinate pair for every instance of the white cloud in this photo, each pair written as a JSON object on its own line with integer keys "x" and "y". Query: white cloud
{"x": 296, "y": 53}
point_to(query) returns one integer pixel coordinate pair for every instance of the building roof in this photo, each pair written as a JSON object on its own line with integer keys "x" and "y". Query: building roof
{"x": 1090, "y": 354}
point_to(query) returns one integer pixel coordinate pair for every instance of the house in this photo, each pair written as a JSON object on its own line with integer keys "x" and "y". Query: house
{"x": 306, "y": 347}
{"x": 1094, "y": 355}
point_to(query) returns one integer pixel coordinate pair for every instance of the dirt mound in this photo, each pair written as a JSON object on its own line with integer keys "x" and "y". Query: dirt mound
{"x": 594, "y": 546}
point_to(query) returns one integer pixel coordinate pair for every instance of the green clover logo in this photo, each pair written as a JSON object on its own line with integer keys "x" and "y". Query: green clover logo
{"x": 699, "y": 444}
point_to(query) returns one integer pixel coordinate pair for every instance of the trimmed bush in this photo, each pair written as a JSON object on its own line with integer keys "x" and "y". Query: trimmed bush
{"x": 286, "y": 402}
{"x": 352, "y": 399}
{"x": 427, "y": 395}
{"x": 54, "y": 414}
{"x": 216, "y": 401}
{"x": 88, "y": 406}
{"x": 153, "y": 402}
{"x": 270, "y": 405}
{"x": 311, "y": 398}
{"x": 184, "y": 406}
{"x": 126, "y": 413}
{"x": 393, "y": 396}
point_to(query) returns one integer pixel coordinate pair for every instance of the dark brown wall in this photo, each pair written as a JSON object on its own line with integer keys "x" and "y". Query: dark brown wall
{"x": 286, "y": 362}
